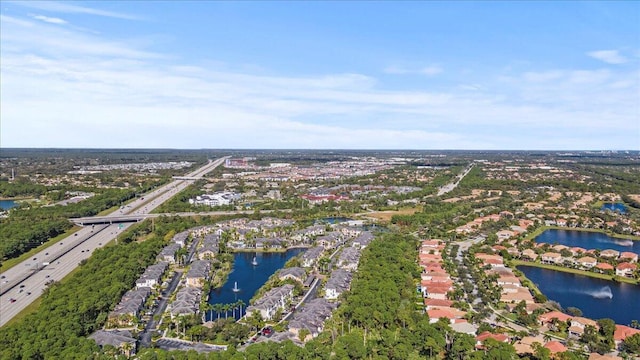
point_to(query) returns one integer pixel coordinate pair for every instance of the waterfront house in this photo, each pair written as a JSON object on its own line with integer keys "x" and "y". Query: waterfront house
{"x": 626, "y": 269}
{"x": 273, "y": 300}
{"x": 198, "y": 273}
{"x": 610, "y": 254}
{"x": 604, "y": 268}
{"x": 587, "y": 262}
{"x": 622, "y": 332}
{"x": 551, "y": 258}
{"x": 311, "y": 256}
{"x": 628, "y": 256}
{"x": 529, "y": 254}
{"x": 294, "y": 273}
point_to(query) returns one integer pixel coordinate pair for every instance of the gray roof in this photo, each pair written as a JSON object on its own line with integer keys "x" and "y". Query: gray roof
{"x": 339, "y": 280}
{"x": 312, "y": 315}
{"x": 114, "y": 338}
{"x": 298, "y": 272}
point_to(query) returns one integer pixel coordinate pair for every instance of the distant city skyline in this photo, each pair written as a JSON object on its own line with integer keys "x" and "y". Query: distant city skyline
{"x": 320, "y": 75}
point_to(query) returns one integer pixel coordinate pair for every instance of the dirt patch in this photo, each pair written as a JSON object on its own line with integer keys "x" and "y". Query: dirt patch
{"x": 385, "y": 216}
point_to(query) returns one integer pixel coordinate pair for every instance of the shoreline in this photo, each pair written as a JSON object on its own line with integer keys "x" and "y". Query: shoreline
{"x": 278, "y": 250}
{"x": 614, "y": 278}
{"x": 542, "y": 229}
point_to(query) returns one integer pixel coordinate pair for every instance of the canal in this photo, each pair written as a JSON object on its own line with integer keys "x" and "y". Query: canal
{"x": 587, "y": 240}
{"x": 249, "y": 278}
{"x": 596, "y": 298}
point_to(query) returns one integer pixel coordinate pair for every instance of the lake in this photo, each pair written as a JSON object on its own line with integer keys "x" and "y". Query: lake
{"x": 596, "y": 298}
{"x": 249, "y": 278}
{"x": 619, "y": 207}
{"x": 587, "y": 240}
{"x": 7, "y": 204}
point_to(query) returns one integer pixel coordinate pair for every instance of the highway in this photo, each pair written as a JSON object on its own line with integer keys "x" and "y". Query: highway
{"x": 23, "y": 283}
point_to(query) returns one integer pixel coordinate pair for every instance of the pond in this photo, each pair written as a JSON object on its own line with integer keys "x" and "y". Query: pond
{"x": 245, "y": 279}
{"x": 7, "y": 204}
{"x": 596, "y": 298}
{"x": 588, "y": 240}
{"x": 617, "y": 207}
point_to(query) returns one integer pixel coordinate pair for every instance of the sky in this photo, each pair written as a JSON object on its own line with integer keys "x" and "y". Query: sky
{"x": 502, "y": 75}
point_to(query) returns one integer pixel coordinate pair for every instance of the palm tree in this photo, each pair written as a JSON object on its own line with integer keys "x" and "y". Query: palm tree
{"x": 218, "y": 309}
{"x": 240, "y": 305}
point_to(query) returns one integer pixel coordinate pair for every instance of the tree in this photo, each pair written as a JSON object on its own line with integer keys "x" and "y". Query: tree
{"x": 255, "y": 320}
{"x": 631, "y": 344}
{"x": 541, "y": 352}
{"x": 303, "y": 333}
{"x": 574, "y": 311}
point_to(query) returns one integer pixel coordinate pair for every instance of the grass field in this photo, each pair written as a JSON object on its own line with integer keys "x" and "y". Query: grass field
{"x": 385, "y": 216}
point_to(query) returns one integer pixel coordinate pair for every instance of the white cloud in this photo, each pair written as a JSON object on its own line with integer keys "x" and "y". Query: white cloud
{"x": 608, "y": 56}
{"x": 431, "y": 70}
{"x": 68, "y": 8}
{"x": 51, "y": 20}
{"x": 62, "y": 88}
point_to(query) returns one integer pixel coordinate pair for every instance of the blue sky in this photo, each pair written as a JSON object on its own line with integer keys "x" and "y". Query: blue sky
{"x": 345, "y": 75}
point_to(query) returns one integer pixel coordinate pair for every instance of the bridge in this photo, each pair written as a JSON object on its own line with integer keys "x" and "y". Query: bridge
{"x": 187, "y": 177}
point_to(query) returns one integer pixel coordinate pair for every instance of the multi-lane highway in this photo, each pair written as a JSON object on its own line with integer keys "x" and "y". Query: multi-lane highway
{"x": 23, "y": 283}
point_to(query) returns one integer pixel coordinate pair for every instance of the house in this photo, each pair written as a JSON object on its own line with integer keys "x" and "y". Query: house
{"x": 363, "y": 240}
{"x": 311, "y": 316}
{"x": 168, "y": 253}
{"x": 578, "y": 324}
{"x": 587, "y": 262}
{"x": 339, "y": 282}
{"x": 187, "y": 302}
{"x": 152, "y": 275}
{"x": 330, "y": 240}
{"x": 349, "y": 258}
{"x": 529, "y": 254}
{"x": 120, "y": 339}
{"x": 273, "y": 300}
{"x": 294, "y": 273}
{"x": 550, "y": 316}
{"x": 551, "y": 258}
{"x": 628, "y": 256}
{"x": 622, "y": 332}
{"x": 198, "y": 273}
{"x": 610, "y": 254}
{"x": 311, "y": 256}
{"x": 481, "y": 338}
{"x": 604, "y": 268}
{"x": 626, "y": 269}
{"x": 128, "y": 309}
{"x": 555, "y": 347}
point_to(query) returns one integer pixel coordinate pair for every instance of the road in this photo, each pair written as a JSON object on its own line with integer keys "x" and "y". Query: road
{"x": 150, "y": 327}
{"x": 25, "y": 282}
{"x": 449, "y": 187}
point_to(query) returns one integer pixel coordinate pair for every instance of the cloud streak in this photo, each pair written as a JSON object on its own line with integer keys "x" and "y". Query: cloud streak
{"x": 67, "y": 8}
{"x": 608, "y": 56}
{"x": 50, "y": 20}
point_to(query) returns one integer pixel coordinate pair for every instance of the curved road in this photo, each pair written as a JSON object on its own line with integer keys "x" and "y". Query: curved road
{"x": 23, "y": 283}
